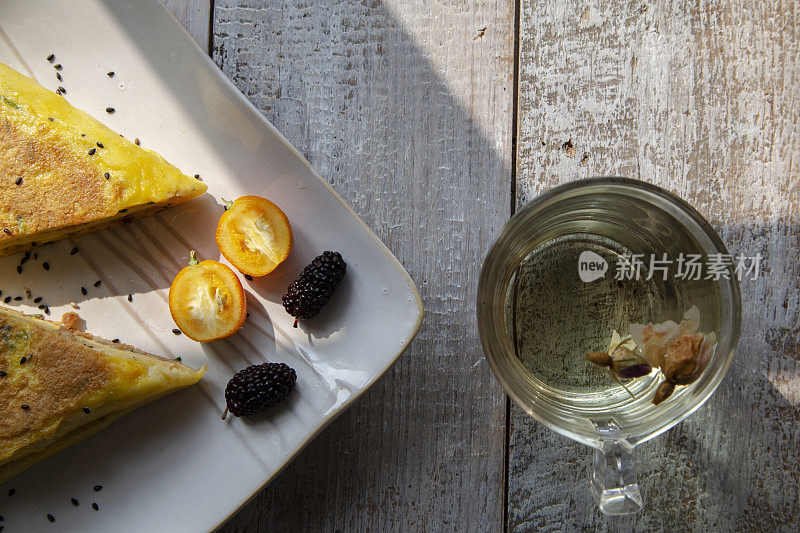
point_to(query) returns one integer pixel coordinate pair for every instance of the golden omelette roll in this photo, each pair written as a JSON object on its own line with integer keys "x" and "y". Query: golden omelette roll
{"x": 63, "y": 173}
{"x": 59, "y": 386}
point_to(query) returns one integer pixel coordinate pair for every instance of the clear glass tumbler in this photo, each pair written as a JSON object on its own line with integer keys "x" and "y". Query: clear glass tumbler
{"x": 538, "y": 316}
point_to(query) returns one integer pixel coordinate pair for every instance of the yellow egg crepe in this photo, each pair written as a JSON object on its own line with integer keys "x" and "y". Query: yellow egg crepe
{"x": 59, "y": 386}
{"x": 63, "y": 173}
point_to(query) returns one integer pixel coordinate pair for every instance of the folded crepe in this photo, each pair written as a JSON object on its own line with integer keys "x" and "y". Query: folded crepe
{"x": 63, "y": 173}
{"x": 59, "y": 386}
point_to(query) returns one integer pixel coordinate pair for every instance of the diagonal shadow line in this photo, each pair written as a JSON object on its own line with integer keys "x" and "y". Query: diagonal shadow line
{"x": 356, "y": 435}
{"x": 513, "y": 208}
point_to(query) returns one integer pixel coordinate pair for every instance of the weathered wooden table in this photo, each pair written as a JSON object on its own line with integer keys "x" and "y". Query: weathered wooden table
{"x": 436, "y": 120}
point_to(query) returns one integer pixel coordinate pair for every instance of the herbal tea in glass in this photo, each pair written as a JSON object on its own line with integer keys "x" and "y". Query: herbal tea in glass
{"x": 606, "y": 314}
{"x": 546, "y": 288}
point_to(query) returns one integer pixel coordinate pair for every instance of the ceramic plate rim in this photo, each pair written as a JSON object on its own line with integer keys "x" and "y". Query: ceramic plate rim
{"x": 234, "y": 92}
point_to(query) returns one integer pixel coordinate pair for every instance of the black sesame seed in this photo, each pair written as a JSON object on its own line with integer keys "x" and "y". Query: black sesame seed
{"x": 100, "y": 145}
{"x": 51, "y": 57}
{"x": 11, "y": 492}
{"x": 248, "y": 277}
{"x": 25, "y": 406}
{"x": 136, "y": 141}
{"x": 83, "y": 135}
{"x": 51, "y": 119}
{"x": 7, "y": 231}
{"x": 176, "y": 331}
{"x": 87, "y": 410}
{"x": 110, "y": 74}
{"x": 95, "y": 507}
{"x": 130, "y": 297}
{"x": 74, "y": 501}
{"x": 18, "y": 182}
{"x": 42, "y": 307}
{"x": 18, "y": 298}
{"x": 92, "y": 151}
{"x": 51, "y": 517}
{"x": 97, "y": 283}
{"x": 178, "y": 359}
{"x": 37, "y": 299}
{"x": 46, "y": 265}
{"x": 107, "y": 175}
{"x": 74, "y": 251}
{"x": 98, "y": 488}
{"x": 115, "y": 341}
{"x": 109, "y": 110}
{"x": 58, "y": 76}
{"x": 22, "y": 361}
{"x": 123, "y": 211}
{"x": 57, "y": 66}
{"x": 197, "y": 176}
{"x": 19, "y": 269}
{"x": 63, "y": 90}
{"x": 46, "y": 310}
{"x": 83, "y": 291}
{"x": 7, "y": 300}
{"x": 3, "y": 374}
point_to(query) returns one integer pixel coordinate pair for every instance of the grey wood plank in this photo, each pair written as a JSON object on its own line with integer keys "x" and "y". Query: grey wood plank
{"x": 702, "y": 98}
{"x": 194, "y": 16}
{"x": 408, "y": 114}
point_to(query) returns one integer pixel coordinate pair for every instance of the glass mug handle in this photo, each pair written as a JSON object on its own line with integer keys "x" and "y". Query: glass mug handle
{"x": 613, "y": 479}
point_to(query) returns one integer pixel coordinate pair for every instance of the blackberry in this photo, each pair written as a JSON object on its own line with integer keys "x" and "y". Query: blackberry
{"x": 258, "y": 387}
{"x": 308, "y": 293}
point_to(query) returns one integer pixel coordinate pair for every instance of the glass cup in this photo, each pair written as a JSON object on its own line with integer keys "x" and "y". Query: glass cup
{"x": 538, "y": 318}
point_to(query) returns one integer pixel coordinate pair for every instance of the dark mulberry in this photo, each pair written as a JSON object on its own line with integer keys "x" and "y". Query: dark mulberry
{"x": 257, "y": 387}
{"x": 308, "y": 293}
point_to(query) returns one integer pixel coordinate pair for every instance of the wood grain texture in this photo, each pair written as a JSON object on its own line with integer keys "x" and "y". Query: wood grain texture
{"x": 194, "y": 16}
{"x": 408, "y": 115}
{"x": 702, "y": 98}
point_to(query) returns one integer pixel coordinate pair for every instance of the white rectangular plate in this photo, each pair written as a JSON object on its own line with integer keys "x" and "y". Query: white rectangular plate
{"x": 175, "y": 465}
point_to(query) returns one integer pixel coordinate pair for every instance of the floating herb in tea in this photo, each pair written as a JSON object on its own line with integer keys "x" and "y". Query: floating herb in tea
{"x": 622, "y": 360}
{"x": 679, "y": 351}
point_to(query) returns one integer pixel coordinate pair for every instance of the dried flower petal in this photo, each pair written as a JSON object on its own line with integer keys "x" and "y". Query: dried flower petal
{"x": 691, "y": 320}
{"x": 628, "y": 364}
{"x": 654, "y": 338}
{"x": 682, "y": 362}
{"x": 617, "y": 341}
{"x": 622, "y": 359}
{"x": 635, "y": 371}
{"x": 653, "y": 341}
